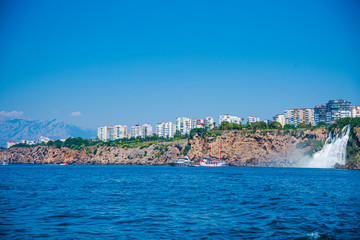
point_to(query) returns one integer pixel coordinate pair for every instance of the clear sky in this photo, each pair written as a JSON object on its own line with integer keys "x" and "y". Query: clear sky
{"x": 94, "y": 63}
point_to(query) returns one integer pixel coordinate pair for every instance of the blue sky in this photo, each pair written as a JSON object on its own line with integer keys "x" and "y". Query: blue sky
{"x": 129, "y": 62}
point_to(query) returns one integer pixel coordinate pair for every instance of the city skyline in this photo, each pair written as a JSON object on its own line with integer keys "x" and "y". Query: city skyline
{"x": 155, "y": 62}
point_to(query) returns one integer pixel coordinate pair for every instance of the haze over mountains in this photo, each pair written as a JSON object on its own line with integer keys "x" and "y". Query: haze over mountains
{"x": 21, "y": 129}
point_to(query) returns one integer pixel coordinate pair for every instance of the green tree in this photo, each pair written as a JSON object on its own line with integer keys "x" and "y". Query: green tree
{"x": 259, "y": 125}
{"x": 58, "y": 143}
{"x": 177, "y": 134}
{"x": 225, "y": 125}
{"x": 289, "y": 126}
{"x": 275, "y": 125}
{"x": 304, "y": 125}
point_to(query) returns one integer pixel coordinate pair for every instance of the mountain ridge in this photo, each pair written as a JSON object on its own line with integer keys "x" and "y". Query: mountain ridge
{"x": 22, "y": 129}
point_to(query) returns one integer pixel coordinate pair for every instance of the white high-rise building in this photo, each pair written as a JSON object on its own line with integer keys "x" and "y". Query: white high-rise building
{"x": 165, "y": 129}
{"x": 208, "y": 121}
{"x": 183, "y": 124}
{"x": 103, "y": 133}
{"x": 146, "y": 130}
{"x": 229, "y": 118}
{"x": 252, "y": 119}
{"x": 355, "y": 111}
{"x": 136, "y": 131}
{"x": 196, "y": 123}
{"x": 118, "y": 132}
{"x": 299, "y": 115}
{"x": 280, "y": 118}
{"x": 112, "y": 133}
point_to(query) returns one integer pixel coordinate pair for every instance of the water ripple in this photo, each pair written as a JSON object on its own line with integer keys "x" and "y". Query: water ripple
{"x": 145, "y": 202}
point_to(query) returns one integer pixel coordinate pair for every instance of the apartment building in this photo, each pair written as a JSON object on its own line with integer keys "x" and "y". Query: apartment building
{"x": 111, "y": 132}
{"x": 299, "y": 115}
{"x": 336, "y": 109}
{"x": 184, "y": 125}
{"x": 136, "y": 131}
{"x": 146, "y": 130}
{"x": 320, "y": 114}
{"x": 229, "y": 118}
{"x": 165, "y": 129}
{"x": 280, "y": 118}
{"x": 252, "y": 119}
{"x": 355, "y": 111}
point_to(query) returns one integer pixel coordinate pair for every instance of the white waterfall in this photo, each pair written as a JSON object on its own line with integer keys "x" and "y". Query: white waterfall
{"x": 333, "y": 152}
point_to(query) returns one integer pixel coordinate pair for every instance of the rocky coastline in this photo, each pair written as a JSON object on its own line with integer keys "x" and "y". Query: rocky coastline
{"x": 239, "y": 148}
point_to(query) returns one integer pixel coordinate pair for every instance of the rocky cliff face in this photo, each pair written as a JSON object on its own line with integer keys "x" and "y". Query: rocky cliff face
{"x": 275, "y": 148}
{"x": 354, "y": 143}
{"x": 156, "y": 154}
{"x": 237, "y": 147}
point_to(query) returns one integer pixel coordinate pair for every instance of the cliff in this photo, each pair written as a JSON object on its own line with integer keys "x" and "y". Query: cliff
{"x": 354, "y": 149}
{"x": 269, "y": 148}
{"x": 156, "y": 154}
{"x": 240, "y": 148}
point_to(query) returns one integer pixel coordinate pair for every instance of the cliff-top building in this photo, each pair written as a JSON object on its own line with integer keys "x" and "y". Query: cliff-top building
{"x": 183, "y": 124}
{"x": 111, "y": 132}
{"x": 299, "y": 115}
{"x": 136, "y": 131}
{"x": 355, "y": 111}
{"x": 146, "y": 130}
{"x": 336, "y": 109}
{"x": 280, "y": 118}
{"x": 165, "y": 129}
{"x": 229, "y": 118}
{"x": 252, "y": 119}
{"x": 332, "y": 110}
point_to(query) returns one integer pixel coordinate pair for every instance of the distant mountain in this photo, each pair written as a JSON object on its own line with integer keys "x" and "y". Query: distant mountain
{"x": 21, "y": 129}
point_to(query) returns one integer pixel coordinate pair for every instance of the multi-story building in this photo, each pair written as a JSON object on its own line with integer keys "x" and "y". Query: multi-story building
{"x": 165, "y": 129}
{"x": 299, "y": 115}
{"x": 230, "y": 119}
{"x": 136, "y": 131}
{"x": 103, "y": 133}
{"x": 146, "y": 130}
{"x": 280, "y": 118}
{"x": 209, "y": 121}
{"x": 183, "y": 124}
{"x": 355, "y": 111}
{"x": 320, "y": 114}
{"x": 112, "y": 132}
{"x": 252, "y": 119}
{"x": 118, "y": 132}
{"x": 41, "y": 139}
{"x": 196, "y": 123}
{"x": 10, "y": 144}
{"x": 336, "y": 109}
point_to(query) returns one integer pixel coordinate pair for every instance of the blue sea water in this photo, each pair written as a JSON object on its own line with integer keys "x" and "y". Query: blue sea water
{"x": 161, "y": 202}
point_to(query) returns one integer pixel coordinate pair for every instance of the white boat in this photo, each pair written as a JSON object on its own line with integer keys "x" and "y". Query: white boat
{"x": 182, "y": 162}
{"x": 212, "y": 162}
{"x": 4, "y": 163}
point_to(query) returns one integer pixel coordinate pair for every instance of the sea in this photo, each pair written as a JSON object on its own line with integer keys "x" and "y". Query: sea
{"x": 162, "y": 202}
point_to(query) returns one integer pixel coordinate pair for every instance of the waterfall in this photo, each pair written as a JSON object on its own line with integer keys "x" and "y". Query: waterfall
{"x": 333, "y": 152}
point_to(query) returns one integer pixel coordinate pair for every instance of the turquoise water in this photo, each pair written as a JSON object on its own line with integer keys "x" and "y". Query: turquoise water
{"x": 160, "y": 202}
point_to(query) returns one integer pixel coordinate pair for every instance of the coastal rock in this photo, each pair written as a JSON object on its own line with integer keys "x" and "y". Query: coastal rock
{"x": 156, "y": 154}
{"x": 262, "y": 148}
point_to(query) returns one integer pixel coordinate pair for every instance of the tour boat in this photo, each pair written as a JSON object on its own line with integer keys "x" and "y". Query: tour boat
{"x": 212, "y": 162}
{"x": 4, "y": 163}
{"x": 63, "y": 164}
{"x": 182, "y": 162}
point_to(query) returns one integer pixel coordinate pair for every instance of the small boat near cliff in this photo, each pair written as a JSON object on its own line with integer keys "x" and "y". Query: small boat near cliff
{"x": 212, "y": 162}
{"x": 182, "y": 162}
{"x": 4, "y": 163}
